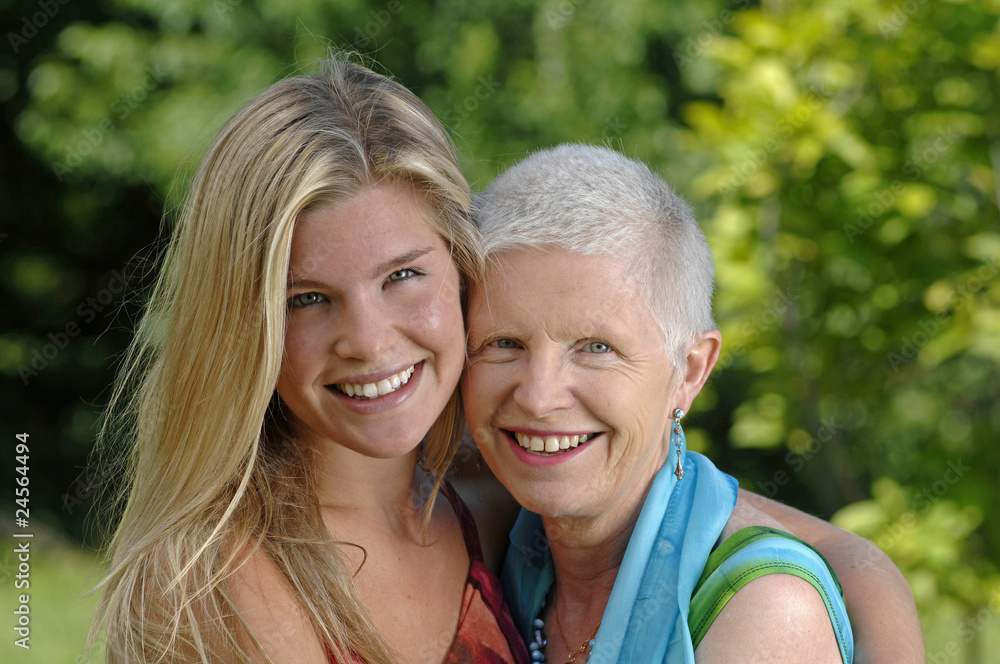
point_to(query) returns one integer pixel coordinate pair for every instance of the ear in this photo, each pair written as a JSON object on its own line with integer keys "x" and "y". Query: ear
{"x": 701, "y": 358}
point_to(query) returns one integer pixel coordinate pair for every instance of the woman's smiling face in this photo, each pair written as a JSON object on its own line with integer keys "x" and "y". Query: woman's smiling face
{"x": 375, "y": 341}
{"x": 569, "y": 388}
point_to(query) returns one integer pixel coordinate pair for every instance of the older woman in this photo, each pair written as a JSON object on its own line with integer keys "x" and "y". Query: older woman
{"x": 588, "y": 342}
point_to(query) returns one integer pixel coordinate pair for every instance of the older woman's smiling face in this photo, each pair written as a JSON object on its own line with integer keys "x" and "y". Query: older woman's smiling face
{"x": 569, "y": 387}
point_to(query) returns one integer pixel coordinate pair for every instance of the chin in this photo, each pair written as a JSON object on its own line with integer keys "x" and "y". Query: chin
{"x": 548, "y": 500}
{"x": 391, "y": 447}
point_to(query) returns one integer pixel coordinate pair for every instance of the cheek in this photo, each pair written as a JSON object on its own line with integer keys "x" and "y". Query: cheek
{"x": 437, "y": 319}
{"x": 648, "y": 429}
{"x": 294, "y": 339}
{"x": 472, "y": 396}
{"x": 299, "y": 359}
{"x": 483, "y": 389}
{"x": 443, "y": 315}
{"x": 635, "y": 412}
{"x": 469, "y": 403}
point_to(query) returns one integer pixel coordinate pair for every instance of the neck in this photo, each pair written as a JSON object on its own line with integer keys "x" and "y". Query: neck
{"x": 352, "y": 487}
{"x": 587, "y": 554}
{"x": 585, "y": 569}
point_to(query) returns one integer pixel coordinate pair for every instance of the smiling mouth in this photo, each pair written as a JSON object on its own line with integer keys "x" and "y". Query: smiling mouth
{"x": 550, "y": 445}
{"x": 367, "y": 391}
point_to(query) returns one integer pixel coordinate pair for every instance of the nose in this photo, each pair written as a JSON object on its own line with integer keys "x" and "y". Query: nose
{"x": 542, "y": 386}
{"x": 365, "y": 330}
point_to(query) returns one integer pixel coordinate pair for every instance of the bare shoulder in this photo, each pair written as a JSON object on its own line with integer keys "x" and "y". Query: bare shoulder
{"x": 776, "y": 618}
{"x": 883, "y": 614}
{"x": 273, "y": 612}
{"x": 745, "y": 515}
{"x": 779, "y": 619}
{"x": 492, "y": 506}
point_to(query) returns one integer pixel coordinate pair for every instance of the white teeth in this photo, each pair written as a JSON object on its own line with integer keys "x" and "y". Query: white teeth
{"x": 549, "y": 444}
{"x": 381, "y": 388}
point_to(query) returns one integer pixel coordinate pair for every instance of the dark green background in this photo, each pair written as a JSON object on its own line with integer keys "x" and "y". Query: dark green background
{"x": 842, "y": 155}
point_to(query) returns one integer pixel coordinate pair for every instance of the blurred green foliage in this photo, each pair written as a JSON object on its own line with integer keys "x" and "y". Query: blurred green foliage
{"x": 843, "y": 156}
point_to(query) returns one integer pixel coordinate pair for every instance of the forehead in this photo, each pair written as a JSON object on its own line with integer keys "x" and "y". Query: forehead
{"x": 558, "y": 289}
{"x": 377, "y": 223}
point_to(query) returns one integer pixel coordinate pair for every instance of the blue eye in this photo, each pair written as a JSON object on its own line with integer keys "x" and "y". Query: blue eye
{"x": 401, "y": 275}
{"x": 506, "y": 343}
{"x": 597, "y": 347}
{"x": 305, "y": 299}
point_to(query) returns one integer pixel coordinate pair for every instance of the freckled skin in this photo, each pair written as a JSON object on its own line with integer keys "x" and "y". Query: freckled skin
{"x": 562, "y": 342}
{"x": 378, "y": 293}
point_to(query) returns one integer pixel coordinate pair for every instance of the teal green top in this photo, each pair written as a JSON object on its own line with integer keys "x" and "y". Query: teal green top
{"x": 754, "y": 552}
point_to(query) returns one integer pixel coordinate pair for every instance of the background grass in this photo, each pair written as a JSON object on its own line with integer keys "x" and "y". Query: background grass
{"x": 61, "y": 577}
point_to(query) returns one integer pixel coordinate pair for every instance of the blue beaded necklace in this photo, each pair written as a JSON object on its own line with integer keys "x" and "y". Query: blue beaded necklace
{"x": 538, "y": 643}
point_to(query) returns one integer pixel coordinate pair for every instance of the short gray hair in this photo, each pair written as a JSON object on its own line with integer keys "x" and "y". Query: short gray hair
{"x": 592, "y": 201}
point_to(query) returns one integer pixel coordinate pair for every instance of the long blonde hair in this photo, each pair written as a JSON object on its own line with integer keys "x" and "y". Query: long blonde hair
{"x": 212, "y": 469}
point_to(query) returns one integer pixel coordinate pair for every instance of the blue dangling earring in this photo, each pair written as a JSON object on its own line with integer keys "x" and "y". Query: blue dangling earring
{"x": 678, "y": 438}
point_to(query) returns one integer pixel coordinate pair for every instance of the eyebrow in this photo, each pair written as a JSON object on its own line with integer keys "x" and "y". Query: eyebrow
{"x": 304, "y": 283}
{"x": 380, "y": 269}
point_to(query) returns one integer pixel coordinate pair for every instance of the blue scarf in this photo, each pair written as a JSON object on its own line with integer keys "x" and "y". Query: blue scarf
{"x": 646, "y": 616}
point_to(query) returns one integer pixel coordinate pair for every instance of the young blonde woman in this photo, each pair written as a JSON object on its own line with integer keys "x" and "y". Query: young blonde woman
{"x": 290, "y": 401}
{"x": 305, "y": 335}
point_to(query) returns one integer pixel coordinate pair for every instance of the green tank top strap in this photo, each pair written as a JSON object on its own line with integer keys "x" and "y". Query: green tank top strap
{"x": 754, "y": 552}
